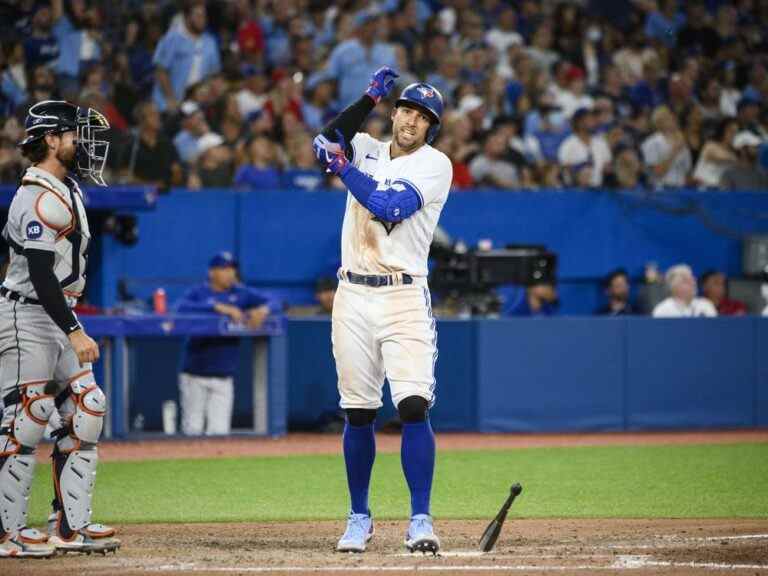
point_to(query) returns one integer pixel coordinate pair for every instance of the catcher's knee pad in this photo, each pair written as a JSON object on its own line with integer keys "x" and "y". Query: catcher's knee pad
{"x": 16, "y": 475}
{"x": 85, "y": 402}
{"x": 31, "y": 408}
{"x": 413, "y": 409}
{"x": 74, "y": 476}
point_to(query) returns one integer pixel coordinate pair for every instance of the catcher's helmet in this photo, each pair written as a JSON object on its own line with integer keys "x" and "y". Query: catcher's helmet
{"x": 59, "y": 116}
{"x": 427, "y": 98}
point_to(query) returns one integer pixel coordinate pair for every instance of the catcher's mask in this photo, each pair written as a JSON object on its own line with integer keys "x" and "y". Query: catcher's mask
{"x": 59, "y": 116}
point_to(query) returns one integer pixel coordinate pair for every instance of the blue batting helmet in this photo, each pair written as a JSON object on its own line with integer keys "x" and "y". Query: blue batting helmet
{"x": 428, "y": 99}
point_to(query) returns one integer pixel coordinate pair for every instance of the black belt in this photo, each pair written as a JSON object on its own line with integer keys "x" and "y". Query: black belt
{"x": 375, "y": 280}
{"x": 11, "y": 295}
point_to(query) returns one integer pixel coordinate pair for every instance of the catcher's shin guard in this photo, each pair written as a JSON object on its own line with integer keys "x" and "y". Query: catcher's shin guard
{"x": 75, "y": 457}
{"x": 25, "y": 417}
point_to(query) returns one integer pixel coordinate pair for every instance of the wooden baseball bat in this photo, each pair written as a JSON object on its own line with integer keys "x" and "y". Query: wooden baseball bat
{"x": 493, "y": 530}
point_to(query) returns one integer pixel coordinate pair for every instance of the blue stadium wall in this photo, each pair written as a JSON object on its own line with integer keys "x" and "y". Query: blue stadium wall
{"x": 571, "y": 373}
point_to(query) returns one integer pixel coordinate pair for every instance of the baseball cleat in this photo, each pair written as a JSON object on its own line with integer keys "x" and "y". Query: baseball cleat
{"x": 358, "y": 533}
{"x": 27, "y": 543}
{"x": 421, "y": 536}
{"x": 92, "y": 538}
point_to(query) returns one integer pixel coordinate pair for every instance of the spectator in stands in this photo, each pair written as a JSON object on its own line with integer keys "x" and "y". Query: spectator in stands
{"x": 682, "y": 302}
{"x": 213, "y": 168}
{"x": 539, "y": 299}
{"x": 663, "y": 23}
{"x": 748, "y": 174}
{"x": 748, "y": 116}
{"x": 665, "y": 152}
{"x": 714, "y": 287}
{"x": 352, "y": 62}
{"x": 79, "y": 39}
{"x": 13, "y": 78}
{"x": 41, "y": 46}
{"x": 317, "y": 107}
{"x": 186, "y": 55}
{"x": 717, "y": 155}
{"x": 260, "y": 172}
{"x": 584, "y": 147}
{"x": 206, "y": 382}
{"x": 540, "y": 50}
{"x": 491, "y": 167}
{"x": 302, "y": 171}
{"x": 617, "y": 288}
{"x": 149, "y": 157}
{"x": 627, "y": 172}
{"x": 194, "y": 127}
{"x": 254, "y": 91}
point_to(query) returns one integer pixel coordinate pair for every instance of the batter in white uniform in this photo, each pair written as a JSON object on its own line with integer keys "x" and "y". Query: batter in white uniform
{"x": 382, "y": 316}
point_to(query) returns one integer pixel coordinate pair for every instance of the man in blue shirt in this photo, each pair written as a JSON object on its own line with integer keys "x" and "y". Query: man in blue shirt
{"x": 206, "y": 382}
{"x": 353, "y": 61}
{"x": 186, "y": 55}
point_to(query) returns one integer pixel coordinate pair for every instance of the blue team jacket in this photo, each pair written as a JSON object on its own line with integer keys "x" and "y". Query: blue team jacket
{"x": 214, "y": 356}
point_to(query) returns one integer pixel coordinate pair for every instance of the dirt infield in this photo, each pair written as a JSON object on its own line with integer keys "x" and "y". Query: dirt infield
{"x": 293, "y": 444}
{"x": 526, "y": 546}
{"x": 594, "y": 546}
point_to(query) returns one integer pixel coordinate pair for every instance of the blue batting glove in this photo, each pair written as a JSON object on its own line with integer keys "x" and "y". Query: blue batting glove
{"x": 331, "y": 154}
{"x": 382, "y": 82}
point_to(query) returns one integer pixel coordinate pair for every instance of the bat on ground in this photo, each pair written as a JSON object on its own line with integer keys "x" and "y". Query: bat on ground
{"x": 493, "y": 530}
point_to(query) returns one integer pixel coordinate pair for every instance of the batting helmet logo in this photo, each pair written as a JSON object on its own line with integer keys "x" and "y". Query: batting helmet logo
{"x": 426, "y": 98}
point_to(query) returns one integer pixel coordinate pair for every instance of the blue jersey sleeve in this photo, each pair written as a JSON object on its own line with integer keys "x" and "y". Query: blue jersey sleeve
{"x": 195, "y": 301}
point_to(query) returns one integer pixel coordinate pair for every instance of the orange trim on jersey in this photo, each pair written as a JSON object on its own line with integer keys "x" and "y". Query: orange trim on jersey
{"x": 16, "y": 446}
{"x": 61, "y": 230}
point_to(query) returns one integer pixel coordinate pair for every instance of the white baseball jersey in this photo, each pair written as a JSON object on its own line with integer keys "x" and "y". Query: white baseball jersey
{"x": 370, "y": 246}
{"x": 48, "y": 214}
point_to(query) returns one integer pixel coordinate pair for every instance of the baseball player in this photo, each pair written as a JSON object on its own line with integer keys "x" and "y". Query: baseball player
{"x": 382, "y": 324}
{"x": 45, "y": 355}
{"x": 206, "y": 382}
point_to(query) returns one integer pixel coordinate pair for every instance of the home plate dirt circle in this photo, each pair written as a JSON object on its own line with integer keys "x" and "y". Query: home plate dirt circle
{"x": 615, "y": 546}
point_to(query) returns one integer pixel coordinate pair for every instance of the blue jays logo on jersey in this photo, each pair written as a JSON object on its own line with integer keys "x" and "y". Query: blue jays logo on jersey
{"x": 426, "y": 92}
{"x": 34, "y": 230}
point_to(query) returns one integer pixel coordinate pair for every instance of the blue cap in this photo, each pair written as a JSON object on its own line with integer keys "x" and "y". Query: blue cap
{"x": 223, "y": 260}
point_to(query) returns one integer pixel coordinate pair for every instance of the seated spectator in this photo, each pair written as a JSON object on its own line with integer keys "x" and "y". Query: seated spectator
{"x": 260, "y": 172}
{"x": 714, "y": 287}
{"x": 491, "y": 167}
{"x": 574, "y": 96}
{"x": 13, "y": 78}
{"x": 717, "y": 155}
{"x": 662, "y": 24}
{"x": 682, "y": 302}
{"x": 748, "y": 116}
{"x": 665, "y": 152}
{"x": 627, "y": 171}
{"x": 213, "y": 168}
{"x": 748, "y": 174}
{"x": 617, "y": 287}
{"x": 186, "y": 55}
{"x": 149, "y": 157}
{"x": 302, "y": 172}
{"x": 317, "y": 108}
{"x": 254, "y": 92}
{"x": 584, "y": 147}
{"x": 539, "y": 299}
{"x": 206, "y": 381}
{"x": 193, "y": 127}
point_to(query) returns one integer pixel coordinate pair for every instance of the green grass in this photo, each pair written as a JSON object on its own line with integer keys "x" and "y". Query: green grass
{"x": 606, "y": 481}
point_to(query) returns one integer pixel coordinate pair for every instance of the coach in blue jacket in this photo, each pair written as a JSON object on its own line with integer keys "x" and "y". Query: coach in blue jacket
{"x": 206, "y": 382}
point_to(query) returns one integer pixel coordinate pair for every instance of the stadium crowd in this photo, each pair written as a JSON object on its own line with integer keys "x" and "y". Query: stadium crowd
{"x": 597, "y": 93}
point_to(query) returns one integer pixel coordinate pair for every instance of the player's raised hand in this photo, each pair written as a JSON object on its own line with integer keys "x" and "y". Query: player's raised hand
{"x": 331, "y": 154}
{"x": 382, "y": 82}
{"x": 84, "y": 346}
